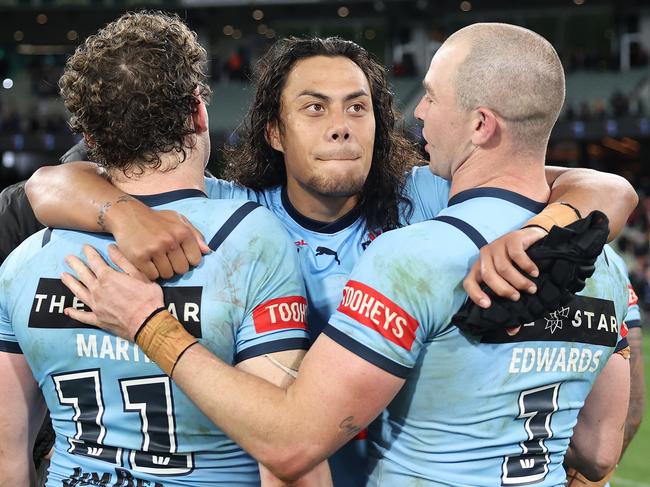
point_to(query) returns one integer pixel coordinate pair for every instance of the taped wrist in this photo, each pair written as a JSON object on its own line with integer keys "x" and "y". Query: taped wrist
{"x": 576, "y": 479}
{"x": 556, "y": 214}
{"x": 163, "y": 339}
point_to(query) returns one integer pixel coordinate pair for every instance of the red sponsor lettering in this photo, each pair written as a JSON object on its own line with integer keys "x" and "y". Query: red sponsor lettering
{"x": 632, "y": 298}
{"x": 280, "y": 313}
{"x": 376, "y": 311}
{"x": 624, "y": 330}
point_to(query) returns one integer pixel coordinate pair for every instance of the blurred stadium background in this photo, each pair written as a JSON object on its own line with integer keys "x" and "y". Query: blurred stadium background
{"x": 604, "y": 45}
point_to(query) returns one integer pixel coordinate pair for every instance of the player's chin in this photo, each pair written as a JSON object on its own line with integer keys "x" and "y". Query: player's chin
{"x": 339, "y": 186}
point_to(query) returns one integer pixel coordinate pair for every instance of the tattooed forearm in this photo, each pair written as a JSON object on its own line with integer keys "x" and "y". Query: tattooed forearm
{"x": 101, "y": 218}
{"x": 348, "y": 426}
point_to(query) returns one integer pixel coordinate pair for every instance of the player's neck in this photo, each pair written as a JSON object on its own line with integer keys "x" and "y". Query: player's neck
{"x": 523, "y": 174}
{"x": 171, "y": 176}
{"x": 319, "y": 207}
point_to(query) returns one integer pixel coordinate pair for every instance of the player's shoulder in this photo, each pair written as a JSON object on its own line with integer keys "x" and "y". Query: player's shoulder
{"x": 216, "y": 188}
{"x": 426, "y": 192}
{"x": 29, "y": 248}
{"x": 20, "y": 260}
{"x": 436, "y": 245}
{"x": 220, "y": 189}
{"x": 608, "y": 282}
{"x": 248, "y": 220}
{"x": 615, "y": 259}
{"x": 423, "y": 175}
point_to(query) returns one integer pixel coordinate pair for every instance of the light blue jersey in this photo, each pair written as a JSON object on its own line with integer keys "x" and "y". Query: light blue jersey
{"x": 119, "y": 420}
{"x": 471, "y": 413}
{"x": 633, "y": 316}
{"x": 328, "y": 252}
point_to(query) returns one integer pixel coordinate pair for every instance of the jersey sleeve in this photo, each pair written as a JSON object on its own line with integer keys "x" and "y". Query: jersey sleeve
{"x": 400, "y": 295}
{"x": 218, "y": 189}
{"x": 633, "y": 316}
{"x": 428, "y": 194}
{"x": 275, "y": 316}
{"x": 8, "y": 340}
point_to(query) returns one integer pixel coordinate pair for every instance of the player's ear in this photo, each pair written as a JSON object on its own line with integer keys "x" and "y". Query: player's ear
{"x": 200, "y": 114}
{"x": 90, "y": 143}
{"x": 272, "y": 135}
{"x": 485, "y": 126}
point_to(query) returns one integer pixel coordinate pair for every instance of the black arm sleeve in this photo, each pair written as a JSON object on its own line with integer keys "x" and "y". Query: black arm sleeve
{"x": 17, "y": 220}
{"x": 78, "y": 152}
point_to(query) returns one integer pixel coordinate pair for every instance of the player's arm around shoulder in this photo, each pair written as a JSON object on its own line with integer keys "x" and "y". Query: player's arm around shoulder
{"x": 589, "y": 190}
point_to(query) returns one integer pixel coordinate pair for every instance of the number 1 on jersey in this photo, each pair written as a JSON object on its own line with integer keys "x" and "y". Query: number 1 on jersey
{"x": 536, "y": 406}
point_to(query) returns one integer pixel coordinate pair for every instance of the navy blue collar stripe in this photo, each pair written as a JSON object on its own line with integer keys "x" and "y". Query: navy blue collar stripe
{"x": 169, "y": 196}
{"x": 471, "y": 232}
{"x": 503, "y": 194}
{"x": 317, "y": 226}
{"x": 230, "y": 224}
{"x": 46, "y": 236}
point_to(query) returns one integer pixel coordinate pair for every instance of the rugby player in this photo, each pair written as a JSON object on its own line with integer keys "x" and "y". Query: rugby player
{"x": 137, "y": 91}
{"x": 456, "y": 405}
{"x": 322, "y": 150}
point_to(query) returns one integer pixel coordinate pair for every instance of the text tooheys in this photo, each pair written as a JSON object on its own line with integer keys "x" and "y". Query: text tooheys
{"x": 280, "y": 313}
{"x": 376, "y": 311}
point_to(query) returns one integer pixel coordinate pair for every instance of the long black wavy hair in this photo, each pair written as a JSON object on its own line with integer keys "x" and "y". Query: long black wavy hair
{"x": 254, "y": 163}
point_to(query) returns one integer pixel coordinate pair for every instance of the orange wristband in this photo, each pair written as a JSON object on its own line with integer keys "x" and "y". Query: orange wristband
{"x": 560, "y": 214}
{"x": 163, "y": 339}
{"x": 576, "y": 479}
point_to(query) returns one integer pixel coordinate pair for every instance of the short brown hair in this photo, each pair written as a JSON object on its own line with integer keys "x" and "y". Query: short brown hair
{"x": 131, "y": 89}
{"x": 516, "y": 73}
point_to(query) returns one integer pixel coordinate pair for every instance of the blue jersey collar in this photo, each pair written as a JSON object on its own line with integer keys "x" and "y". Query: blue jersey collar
{"x": 317, "y": 226}
{"x": 503, "y": 194}
{"x": 169, "y": 196}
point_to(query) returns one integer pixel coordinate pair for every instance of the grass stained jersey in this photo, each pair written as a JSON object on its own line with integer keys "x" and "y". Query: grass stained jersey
{"x": 458, "y": 419}
{"x": 119, "y": 420}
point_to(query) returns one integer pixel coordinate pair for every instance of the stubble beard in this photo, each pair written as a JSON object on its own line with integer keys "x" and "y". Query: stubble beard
{"x": 336, "y": 187}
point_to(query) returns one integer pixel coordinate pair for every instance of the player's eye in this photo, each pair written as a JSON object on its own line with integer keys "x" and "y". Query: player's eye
{"x": 356, "y": 108}
{"x": 316, "y": 107}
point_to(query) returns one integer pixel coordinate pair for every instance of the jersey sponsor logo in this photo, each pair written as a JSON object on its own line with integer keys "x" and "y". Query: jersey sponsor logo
{"x": 376, "y": 311}
{"x": 326, "y": 251}
{"x": 52, "y": 297}
{"x": 632, "y": 297}
{"x": 280, "y": 314}
{"x": 555, "y": 319}
{"x": 184, "y": 303}
{"x": 121, "y": 478}
{"x": 583, "y": 320}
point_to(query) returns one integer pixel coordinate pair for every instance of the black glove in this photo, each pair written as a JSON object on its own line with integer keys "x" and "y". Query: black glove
{"x": 565, "y": 258}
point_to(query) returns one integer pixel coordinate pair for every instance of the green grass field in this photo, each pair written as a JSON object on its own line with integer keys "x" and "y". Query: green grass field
{"x": 634, "y": 470}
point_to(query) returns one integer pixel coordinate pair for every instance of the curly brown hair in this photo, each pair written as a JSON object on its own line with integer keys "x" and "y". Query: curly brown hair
{"x": 254, "y": 163}
{"x": 131, "y": 89}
